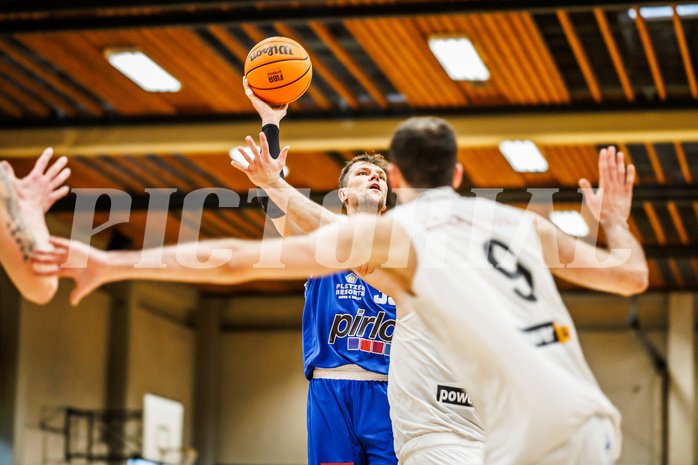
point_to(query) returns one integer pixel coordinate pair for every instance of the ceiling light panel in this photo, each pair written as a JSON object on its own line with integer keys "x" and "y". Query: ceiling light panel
{"x": 523, "y": 156}
{"x": 459, "y": 58}
{"x": 142, "y": 70}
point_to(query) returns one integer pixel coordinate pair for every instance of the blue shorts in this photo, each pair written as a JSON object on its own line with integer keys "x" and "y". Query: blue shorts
{"x": 349, "y": 423}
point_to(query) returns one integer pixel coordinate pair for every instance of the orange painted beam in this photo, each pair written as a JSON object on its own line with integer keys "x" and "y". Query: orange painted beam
{"x": 579, "y": 54}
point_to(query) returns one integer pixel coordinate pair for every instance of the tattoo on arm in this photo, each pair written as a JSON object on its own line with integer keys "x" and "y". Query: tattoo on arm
{"x": 23, "y": 238}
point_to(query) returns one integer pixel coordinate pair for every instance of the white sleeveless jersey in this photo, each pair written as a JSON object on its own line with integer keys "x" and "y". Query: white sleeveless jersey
{"x": 495, "y": 315}
{"x": 428, "y": 408}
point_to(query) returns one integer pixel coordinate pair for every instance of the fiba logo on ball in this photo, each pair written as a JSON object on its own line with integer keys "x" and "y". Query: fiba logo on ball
{"x": 278, "y": 70}
{"x": 275, "y": 75}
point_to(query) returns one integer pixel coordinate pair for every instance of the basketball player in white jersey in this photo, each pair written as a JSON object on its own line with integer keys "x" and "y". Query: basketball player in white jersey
{"x": 480, "y": 275}
{"x": 513, "y": 343}
{"x": 434, "y": 420}
{"x": 23, "y": 202}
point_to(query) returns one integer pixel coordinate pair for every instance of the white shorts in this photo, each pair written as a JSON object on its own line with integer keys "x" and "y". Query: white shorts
{"x": 445, "y": 449}
{"x": 594, "y": 444}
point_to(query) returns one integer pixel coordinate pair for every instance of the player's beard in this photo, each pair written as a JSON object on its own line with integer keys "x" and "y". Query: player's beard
{"x": 369, "y": 204}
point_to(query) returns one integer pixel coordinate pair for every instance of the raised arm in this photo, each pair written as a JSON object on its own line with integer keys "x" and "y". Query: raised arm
{"x": 622, "y": 267}
{"x": 23, "y": 230}
{"x": 263, "y": 171}
{"x": 302, "y": 215}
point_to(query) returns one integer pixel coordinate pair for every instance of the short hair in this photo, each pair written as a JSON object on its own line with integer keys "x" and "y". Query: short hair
{"x": 425, "y": 151}
{"x": 375, "y": 159}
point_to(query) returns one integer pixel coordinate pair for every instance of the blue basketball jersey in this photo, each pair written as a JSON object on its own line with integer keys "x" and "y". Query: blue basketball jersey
{"x": 346, "y": 321}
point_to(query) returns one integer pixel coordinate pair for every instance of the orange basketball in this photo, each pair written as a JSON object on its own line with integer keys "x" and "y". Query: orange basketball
{"x": 278, "y": 70}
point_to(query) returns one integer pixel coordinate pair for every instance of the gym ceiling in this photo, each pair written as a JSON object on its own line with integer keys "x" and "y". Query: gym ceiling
{"x": 571, "y": 76}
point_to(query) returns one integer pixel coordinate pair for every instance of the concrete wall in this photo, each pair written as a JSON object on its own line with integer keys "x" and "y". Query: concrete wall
{"x": 62, "y": 362}
{"x": 262, "y": 399}
{"x": 627, "y": 377}
{"x": 162, "y": 350}
{"x": 262, "y": 402}
{"x": 64, "y": 359}
{"x": 263, "y": 396}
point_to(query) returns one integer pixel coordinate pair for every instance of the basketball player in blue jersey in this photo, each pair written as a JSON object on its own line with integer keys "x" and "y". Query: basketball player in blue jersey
{"x": 347, "y": 324}
{"x": 418, "y": 378}
{"x": 348, "y": 329}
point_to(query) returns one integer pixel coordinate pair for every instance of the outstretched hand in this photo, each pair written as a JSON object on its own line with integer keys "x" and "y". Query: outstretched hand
{"x": 612, "y": 201}
{"x": 262, "y": 169}
{"x": 41, "y": 188}
{"x": 88, "y": 270}
{"x": 268, "y": 113}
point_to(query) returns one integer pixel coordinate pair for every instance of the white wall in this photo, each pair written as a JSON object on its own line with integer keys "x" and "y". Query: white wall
{"x": 64, "y": 358}
{"x": 162, "y": 347}
{"x": 262, "y": 399}
{"x": 263, "y": 392}
{"x": 162, "y": 354}
{"x": 623, "y": 366}
{"x": 626, "y": 376}
{"x": 592, "y": 311}
{"x": 262, "y": 396}
{"x": 62, "y": 362}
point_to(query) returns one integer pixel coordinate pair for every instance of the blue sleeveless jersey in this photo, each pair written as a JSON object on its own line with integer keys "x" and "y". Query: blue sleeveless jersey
{"x": 346, "y": 321}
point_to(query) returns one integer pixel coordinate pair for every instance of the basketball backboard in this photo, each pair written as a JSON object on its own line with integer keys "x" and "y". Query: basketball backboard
{"x": 162, "y": 429}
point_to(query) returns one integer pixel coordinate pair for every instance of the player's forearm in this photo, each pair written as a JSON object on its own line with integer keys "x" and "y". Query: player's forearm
{"x": 23, "y": 234}
{"x": 619, "y": 269}
{"x": 302, "y": 214}
{"x": 15, "y": 259}
{"x": 632, "y": 276}
{"x": 286, "y": 227}
{"x": 367, "y": 239}
{"x": 196, "y": 262}
{"x": 330, "y": 249}
{"x": 231, "y": 261}
{"x": 300, "y": 210}
{"x": 23, "y": 231}
{"x": 271, "y": 117}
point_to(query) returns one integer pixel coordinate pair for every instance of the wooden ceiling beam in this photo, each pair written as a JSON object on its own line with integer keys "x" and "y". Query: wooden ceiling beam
{"x": 685, "y": 53}
{"x": 333, "y": 44}
{"x": 546, "y": 128}
{"x": 654, "y": 221}
{"x": 68, "y": 90}
{"x": 10, "y": 108}
{"x": 656, "y": 165}
{"x": 681, "y": 155}
{"x": 45, "y": 95}
{"x": 49, "y": 16}
{"x": 579, "y": 54}
{"x": 231, "y": 43}
{"x": 676, "y": 271}
{"x": 320, "y": 68}
{"x": 615, "y": 54}
{"x": 24, "y": 98}
{"x": 649, "y": 52}
{"x": 676, "y": 218}
{"x": 46, "y": 7}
